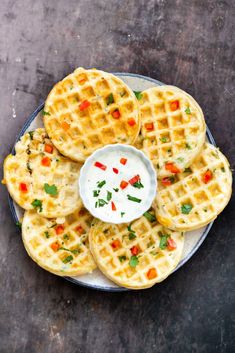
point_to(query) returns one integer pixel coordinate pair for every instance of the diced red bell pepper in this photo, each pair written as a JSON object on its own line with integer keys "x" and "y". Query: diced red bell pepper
{"x": 79, "y": 229}
{"x": 113, "y": 206}
{"x": 123, "y": 184}
{"x": 84, "y": 105}
{"x": 166, "y": 181}
{"x": 55, "y": 246}
{"x": 48, "y": 148}
{"x": 23, "y": 187}
{"x": 46, "y": 162}
{"x": 134, "y": 250}
{"x": 171, "y": 244}
{"x": 116, "y": 114}
{"x": 100, "y": 165}
{"x": 152, "y": 273}
{"x": 131, "y": 122}
{"x": 134, "y": 179}
{"x": 207, "y": 176}
{"x": 174, "y": 105}
{"x": 59, "y": 229}
{"x": 149, "y": 126}
{"x": 115, "y": 170}
{"x": 65, "y": 125}
{"x": 116, "y": 244}
{"x": 171, "y": 167}
{"x": 123, "y": 161}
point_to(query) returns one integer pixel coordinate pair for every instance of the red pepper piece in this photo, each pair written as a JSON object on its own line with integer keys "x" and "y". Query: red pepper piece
{"x": 84, "y": 105}
{"x": 172, "y": 168}
{"x": 115, "y": 170}
{"x": 123, "y": 184}
{"x": 116, "y": 244}
{"x": 46, "y": 162}
{"x": 149, "y": 126}
{"x": 174, "y": 105}
{"x": 23, "y": 187}
{"x": 207, "y": 176}
{"x": 59, "y": 229}
{"x": 166, "y": 181}
{"x": 171, "y": 244}
{"x": 100, "y": 165}
{"x": 131, "y": 122}
{"x": 134, "y": 250}
{"x": 48, "y": 148}
{"x": 55, "y": 246}
{"x": 123, "y": 161}
{"x": 116, "y": 114}
{"x": 134, "y": 179}
{"x": 113, "y": 206}
{"x": 152, "y": 273}
{"x": 79, "y": 229}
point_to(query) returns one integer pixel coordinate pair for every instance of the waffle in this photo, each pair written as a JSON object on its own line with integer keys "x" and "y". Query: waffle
{"x": 66, "y": 253}
{"x": 118, "y": 262}
{"x": 173, "y": 128}
{"x": 89, "y": 109}
{"x": 26, "y": 178}
{"x": 205, "y": 188}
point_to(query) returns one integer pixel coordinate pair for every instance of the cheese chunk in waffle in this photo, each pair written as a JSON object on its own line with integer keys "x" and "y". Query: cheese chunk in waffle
{"x": 136, "y": 255}
{"x": 89, "y": 109}
{"x": 173, "y": 128}
{"x": 37, "y": 176}
{"x": 59, "y": 245}
{"x": 192, "y": 199}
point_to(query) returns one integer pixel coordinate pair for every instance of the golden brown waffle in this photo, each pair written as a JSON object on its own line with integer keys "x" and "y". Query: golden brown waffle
{"x": 198, "y": 195}
{"x": 59, "y": 246}
{"x": 27, "y": 173}
{"x": 114, "y": 246}
{"x": 173, "y": 128}
{"x": 89, "y": 109}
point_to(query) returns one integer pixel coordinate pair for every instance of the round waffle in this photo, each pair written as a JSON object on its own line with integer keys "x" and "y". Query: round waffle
{"x": 59, "y": 246}
{"x": 198, "y": 195}
{"x": 89, "y": 109}
{"x": 37, "y": 176}
{"x": 173, "y": 128}
{"x": 137, "y": 255}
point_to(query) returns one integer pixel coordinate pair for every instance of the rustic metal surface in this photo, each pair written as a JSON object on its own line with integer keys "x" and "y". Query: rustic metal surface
{"x": 185, "y": 43}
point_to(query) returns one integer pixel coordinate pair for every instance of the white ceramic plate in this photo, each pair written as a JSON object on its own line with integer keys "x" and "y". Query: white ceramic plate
{"x": 97, "y": 280}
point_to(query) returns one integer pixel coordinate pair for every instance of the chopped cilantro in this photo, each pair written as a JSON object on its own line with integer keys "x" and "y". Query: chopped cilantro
{"x": 47, "y": 235}
{"x": 134, "y": 199}
{"x": 37, "y": 204}
{"x": 109, "y": 195}
{"x": 115, "y": 189}
{"x": 45, "y": 113}
{"x": 133, "y": 261}
{"x": 101, "y": 183}
{"x": 150, "y": 217}
{"x": 122, "y": 258}
{"x": 110, "y": 99}
{"x": 50, "y": 189}
{"x": 31, "y": 134}
{"x": 19, "y": 224}
{"x": 138, "y": 94}
{"x": 68, "y": 259}
{"x": 188, "y": 111}
{"x": 186, "y": 208}
{"x": 96, "y": 193}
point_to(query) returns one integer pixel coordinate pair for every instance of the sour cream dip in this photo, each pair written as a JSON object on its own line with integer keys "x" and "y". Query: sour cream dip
{"x": 117, "y": 183}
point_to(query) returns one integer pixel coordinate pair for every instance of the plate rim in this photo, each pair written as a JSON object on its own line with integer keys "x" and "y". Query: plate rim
{"x": 25, "y": 126}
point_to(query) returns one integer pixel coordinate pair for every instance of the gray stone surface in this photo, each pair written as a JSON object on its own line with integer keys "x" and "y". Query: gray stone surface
{"x": 186, "y": 43}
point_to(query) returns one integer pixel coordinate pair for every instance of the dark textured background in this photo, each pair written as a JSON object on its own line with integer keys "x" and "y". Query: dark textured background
{"x": 188, "y": 43}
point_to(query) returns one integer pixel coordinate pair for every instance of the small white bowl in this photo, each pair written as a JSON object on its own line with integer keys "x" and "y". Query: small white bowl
{"x": 117, "y": 149}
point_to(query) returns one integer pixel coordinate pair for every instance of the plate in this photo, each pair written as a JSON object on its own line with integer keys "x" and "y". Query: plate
{"x": 96, "y": 280}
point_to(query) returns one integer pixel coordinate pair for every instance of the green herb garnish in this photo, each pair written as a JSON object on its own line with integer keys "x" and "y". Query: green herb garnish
{"x": 31, "y": 134}
{"x": 19, "y": 224}
{"x": 150, "y": 217}
{"x": 138, "y": 94}
{"x": 101, "y": 183}
{"x": 122, "y": 258}
{"x": 101, "y": 203}
{"x": 75, "y": 251}
{"x": 187, "y": 145}
{"x": 133, "y": 261}
{"x": 131, "y": 234}
{"x": 163, "y": 241}
{"x": 164, "y": 139}
{"x": 122, "y": 214}
{"x": 37, "y": 204}
{"x": 68, "y": 259}
{"x": 110, "y": 99}
{"x": 45, "y": 113}
{"x": 66, "y": 236}
{"x": 115, "y": 189}
{"x": 109, "y": 195}
{"x": 134, "y": 199}
{"x": 186, "y": 208}
{"x": 138, "y": 184}
{"x": 188, "y": 111}
{"x": 50, "y": 189}
{"x": 47, "y": 235}
{"x": 96, "y": 193}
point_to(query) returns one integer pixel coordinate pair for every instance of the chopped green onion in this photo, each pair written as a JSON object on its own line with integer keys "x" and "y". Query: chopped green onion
{"x": 138, "y": 94}
{"x": 150, "y": 217}
{"x": 101, "y": 183}
{"x": 186, "y": 208}
{"x": 188, "y": 111}
{"x": 110, "y": 99}
{"x": 37, "y": 204}
{"x": 122, "y": 258}
{"x": 68, "y": 259}
{"x": 133, "y": 261}
{"x": 109, "y": 195}
{"x": 134, "y": 199}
